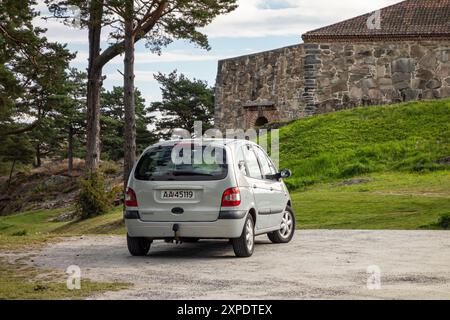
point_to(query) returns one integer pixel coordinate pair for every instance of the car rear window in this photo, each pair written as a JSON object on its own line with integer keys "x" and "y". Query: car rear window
{"x": 193, "y": 163}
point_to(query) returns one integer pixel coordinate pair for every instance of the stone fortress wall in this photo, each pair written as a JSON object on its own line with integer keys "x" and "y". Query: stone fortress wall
{"x": 314, "y": 78}
{"x": 348, "y": 75}
{"x": 260, "y": 85}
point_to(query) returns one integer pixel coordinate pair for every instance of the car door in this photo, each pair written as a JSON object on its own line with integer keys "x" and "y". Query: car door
{"x": 261, "y": 191}
{"x": 275, "y": 194}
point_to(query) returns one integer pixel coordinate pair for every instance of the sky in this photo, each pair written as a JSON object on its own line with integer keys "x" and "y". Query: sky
{"x": 256, "y": 25}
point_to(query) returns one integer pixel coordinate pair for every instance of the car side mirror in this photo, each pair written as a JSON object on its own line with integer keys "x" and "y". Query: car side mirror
{"x": 285, "y": 173}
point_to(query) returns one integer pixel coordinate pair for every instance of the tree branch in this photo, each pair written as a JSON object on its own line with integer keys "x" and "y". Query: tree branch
{"x": 22, "y": 130}
{"x": 20, "y": 44}
{"x": 118, "y": 48}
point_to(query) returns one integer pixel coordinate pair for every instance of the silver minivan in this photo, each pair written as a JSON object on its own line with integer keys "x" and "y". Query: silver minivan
{"x": 191, "y": 189}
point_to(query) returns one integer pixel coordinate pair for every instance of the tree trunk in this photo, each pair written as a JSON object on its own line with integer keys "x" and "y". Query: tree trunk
{"x": 10, "y": 174}
{"x": 94, "y": 86}
{"x": 70, "y": 152}
{"x": 128, "y": 86}
{"x": 38, "y": 162}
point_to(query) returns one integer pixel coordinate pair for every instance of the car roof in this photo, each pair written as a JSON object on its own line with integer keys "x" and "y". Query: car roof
{"x": 205, "y": 141}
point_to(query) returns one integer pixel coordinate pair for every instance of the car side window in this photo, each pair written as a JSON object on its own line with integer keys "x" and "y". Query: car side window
{"x": 272, "y": 166}
{"x": 241, "y": 161}
{"x": 264, "y": 162}
{"x": 252, "y": 163}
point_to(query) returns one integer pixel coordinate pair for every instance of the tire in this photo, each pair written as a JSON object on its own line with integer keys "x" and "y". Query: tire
{"x": 287, "y": 230}
{"x": 138, "y": 246}
{"x": 245, "y": 244}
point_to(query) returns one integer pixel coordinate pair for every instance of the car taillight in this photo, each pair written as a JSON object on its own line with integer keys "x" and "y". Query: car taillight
{"x": 231, "y": 197}
{"x": 130, "y": 198}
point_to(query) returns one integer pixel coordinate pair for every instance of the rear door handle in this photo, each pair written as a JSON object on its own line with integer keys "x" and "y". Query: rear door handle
{"x": 254, "y": 186}
{"x": 271, "y": 189}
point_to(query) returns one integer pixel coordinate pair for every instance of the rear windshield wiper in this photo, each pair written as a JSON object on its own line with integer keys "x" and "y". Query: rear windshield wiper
{"x": 190, "y": 173}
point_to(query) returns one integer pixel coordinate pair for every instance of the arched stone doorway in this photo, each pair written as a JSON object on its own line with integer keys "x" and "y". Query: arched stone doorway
{"x": 259, "y": 113}
{"x": 260, "y": 121}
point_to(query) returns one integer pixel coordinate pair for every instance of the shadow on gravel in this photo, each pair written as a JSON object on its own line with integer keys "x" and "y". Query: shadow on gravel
{"x": 205, "y": 249}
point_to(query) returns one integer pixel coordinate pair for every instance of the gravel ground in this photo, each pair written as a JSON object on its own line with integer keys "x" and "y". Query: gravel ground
{"x": 317, "y": 264}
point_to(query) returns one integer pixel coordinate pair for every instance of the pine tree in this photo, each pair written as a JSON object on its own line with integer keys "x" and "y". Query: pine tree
{"x": 184, "y": 101}
{"x": 32, "y": 77}
{"x": 112, "y": 121}
{"x": 157, "y": 22}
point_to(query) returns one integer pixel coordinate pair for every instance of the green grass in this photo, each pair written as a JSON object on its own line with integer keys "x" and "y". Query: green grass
{"x": 397, "y": 147}
{"x": 35, "y": 228}
{"x": 407, "y": 137}
{"x": 19, "y": 281}
{"x": 386, "y": 201}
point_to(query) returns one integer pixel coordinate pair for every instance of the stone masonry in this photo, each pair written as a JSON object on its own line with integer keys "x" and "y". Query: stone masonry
{"x": 264, "y": 85}
{"x": 346, "y": 75}
{"x": 341, "y": 66}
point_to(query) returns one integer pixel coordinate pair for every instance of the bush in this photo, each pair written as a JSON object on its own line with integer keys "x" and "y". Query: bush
{"x": 93, "y": 198}
{"x": 20, "y": 233}
{"x": 419, "y": 163}
{"x": 354, "y": 169}
{"x": 116, "y": 194}
{"x": 110, "y": 168}
{"x": 299, "y": 184}
{"x": 444, "y": 221}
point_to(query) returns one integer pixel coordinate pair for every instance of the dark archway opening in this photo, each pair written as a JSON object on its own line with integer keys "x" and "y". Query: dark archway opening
{"x": 261, "y": 121}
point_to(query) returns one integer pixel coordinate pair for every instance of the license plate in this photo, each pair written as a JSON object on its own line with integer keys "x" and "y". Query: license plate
{"x": 177, "y": 194}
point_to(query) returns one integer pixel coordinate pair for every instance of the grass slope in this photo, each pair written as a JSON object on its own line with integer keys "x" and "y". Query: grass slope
{"x": 407, "y": 137}
{"x": 386, "y": 201}
{"x": 396, "y": 149}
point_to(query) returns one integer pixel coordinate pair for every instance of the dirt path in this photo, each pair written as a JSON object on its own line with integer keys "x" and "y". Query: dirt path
{"x": 316, "y": 264}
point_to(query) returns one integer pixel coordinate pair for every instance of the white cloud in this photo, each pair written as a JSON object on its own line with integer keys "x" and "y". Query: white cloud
{"x": 140, "y": 75}
{"x": 148, "y": 57}
{"x": 260, "y": 18}
{"x": 252, "y": 18}
{"x": 174, "y": 56}
{"x": 40, "y": 6}
{"x": 58, "y": 32}
{"x": 276, "y": 4}
{"x": 81, "y": 58}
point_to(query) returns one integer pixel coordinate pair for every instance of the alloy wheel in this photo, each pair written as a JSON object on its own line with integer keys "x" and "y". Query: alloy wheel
{"x": 249, "y": 237}
{"x": 286, "y": 224}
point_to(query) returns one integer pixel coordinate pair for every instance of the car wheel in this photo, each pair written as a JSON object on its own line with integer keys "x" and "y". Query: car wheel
{"x": 287, "y": 229}
{"x": 138, "y": 246}
{"x": 245, "y": 244}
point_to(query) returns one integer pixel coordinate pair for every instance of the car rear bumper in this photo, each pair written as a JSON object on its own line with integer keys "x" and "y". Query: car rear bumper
{"x": 221, "y": 228}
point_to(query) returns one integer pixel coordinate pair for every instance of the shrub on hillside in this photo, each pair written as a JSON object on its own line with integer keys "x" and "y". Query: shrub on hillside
{"x": 299, "y": 184}
{"x": 93, "y": 199}
{"x": 419, "y": 163}
{"x": 110, "y": 168}
{"x": 116, "y": 194}
{"x": 354, "y": 169}
{"x": 444, "y": 221}
{"x": 20, "y": 233}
